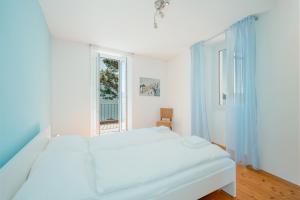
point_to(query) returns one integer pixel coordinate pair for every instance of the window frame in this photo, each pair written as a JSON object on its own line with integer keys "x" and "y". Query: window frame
{"x": 221, "y": 100}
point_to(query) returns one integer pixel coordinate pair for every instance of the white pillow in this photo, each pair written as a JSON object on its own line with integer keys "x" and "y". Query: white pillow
{"x": 131, "y": 138}
{"x": 68, "y": 143}
{"x": 59, "y": 176}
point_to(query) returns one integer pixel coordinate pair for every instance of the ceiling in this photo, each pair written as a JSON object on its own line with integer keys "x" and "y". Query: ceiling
{"x": 127, "y": 25}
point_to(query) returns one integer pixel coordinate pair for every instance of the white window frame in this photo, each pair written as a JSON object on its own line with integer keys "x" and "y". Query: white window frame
{"x": 96, "y": 53}
{"x": 221, "y": 64}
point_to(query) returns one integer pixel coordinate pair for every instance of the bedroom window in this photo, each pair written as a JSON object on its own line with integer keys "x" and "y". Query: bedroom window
{"x": 222, "y": 77}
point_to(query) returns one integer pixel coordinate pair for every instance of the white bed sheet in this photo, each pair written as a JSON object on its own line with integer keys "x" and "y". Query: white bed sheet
{"x": 157, "y": 189}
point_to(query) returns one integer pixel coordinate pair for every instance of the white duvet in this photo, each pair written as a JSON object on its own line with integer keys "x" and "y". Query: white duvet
{"x": 76, "y": 168}
{"x": 131, "y": 166}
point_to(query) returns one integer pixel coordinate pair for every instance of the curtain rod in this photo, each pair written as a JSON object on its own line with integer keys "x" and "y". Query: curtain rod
{"x": 216, "y": 35}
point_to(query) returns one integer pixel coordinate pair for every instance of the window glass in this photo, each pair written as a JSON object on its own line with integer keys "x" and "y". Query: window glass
{"x": 222, "y": 77}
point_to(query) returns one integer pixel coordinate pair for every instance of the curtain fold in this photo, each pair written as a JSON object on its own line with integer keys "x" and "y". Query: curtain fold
{"x": 241, "y": 109}
{"x": 199, "y": 125}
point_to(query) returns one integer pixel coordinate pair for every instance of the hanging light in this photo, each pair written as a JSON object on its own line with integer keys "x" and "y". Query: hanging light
{"x": 159, "y": 5}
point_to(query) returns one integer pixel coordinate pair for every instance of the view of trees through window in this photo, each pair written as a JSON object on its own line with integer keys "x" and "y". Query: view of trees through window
{"x": 109, "y": 94}
{"x": 109, "y": 79}
{"x": 112, "y": 94}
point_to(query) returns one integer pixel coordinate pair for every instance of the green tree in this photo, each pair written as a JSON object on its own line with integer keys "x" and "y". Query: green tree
{"x": 109, "y": 79}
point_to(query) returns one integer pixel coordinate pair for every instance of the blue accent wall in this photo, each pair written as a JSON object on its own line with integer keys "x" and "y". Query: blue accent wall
{"x": 25, "y": 45}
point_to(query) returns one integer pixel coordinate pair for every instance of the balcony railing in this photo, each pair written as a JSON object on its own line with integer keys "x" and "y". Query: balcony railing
{"x": 108, "y": 128}
{"x": 109, "y": 117}
{"x": 109, "y": 112}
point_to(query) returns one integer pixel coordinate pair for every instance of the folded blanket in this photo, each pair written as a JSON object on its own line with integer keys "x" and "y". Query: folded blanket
{"x": 123, "y": 168}
{"x": 194, "y": 142}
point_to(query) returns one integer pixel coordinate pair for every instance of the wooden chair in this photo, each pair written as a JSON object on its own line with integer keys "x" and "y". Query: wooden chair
{"x": 166, "y": 115}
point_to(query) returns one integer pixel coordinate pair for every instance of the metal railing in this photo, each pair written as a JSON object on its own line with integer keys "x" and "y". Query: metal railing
{"x": 109, "y": 113}
{"x": 109, "y": 117}
{"x": 108, "y": 128}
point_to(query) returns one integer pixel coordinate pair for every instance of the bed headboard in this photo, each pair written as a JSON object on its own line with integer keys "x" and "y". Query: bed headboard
{"x": 14, "y": 173}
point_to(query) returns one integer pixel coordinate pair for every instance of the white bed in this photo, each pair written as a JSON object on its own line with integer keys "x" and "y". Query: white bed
{"x": 75, "y": 168}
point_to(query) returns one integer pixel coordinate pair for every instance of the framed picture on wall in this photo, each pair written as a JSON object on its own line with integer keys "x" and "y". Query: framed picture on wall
{"x": 149, "y": 87}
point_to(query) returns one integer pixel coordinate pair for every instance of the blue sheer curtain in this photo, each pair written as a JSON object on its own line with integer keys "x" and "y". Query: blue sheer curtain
{"x": 241, "y": 111}
{"x": 199, "y": 125}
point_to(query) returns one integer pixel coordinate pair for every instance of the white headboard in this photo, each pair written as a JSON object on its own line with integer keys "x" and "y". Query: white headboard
{"x": 14, "y": 173}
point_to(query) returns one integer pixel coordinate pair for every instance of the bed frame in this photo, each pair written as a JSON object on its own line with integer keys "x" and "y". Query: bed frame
{"x": 224, "y": 179}
{"x": 15, "y": 172}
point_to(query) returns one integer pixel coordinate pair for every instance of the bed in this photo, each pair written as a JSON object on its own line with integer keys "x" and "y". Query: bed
{"x": 153, "y": 163}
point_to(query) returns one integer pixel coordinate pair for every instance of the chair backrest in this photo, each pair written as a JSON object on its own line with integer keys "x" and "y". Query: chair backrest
{"x": 166, "y": 113}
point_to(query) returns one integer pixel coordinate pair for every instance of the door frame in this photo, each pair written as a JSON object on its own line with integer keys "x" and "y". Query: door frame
{"x": 122, "y": 60}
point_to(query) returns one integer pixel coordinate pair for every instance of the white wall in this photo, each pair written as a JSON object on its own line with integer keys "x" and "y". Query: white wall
{"x": 277, "y": 88}
{"x": 145, "y": 109}
{"x": 70, "y": 88}
{"x": 179, "y": 92}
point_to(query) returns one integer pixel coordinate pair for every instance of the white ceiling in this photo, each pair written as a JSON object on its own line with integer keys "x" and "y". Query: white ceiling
{"x": 127, "y": 25}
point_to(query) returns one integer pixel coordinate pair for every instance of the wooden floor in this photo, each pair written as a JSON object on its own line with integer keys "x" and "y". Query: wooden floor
{"x": 253, "y": 185}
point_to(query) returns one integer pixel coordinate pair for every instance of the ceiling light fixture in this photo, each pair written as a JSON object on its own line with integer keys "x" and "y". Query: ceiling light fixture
{"x": 159, "y": 5}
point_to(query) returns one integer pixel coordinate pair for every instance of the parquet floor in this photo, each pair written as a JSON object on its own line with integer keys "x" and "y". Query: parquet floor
{"x": 258, "y": 185}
